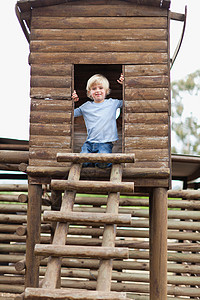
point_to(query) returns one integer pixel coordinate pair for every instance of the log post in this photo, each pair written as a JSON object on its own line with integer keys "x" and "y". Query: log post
{"x": 20, "y": 265}
{"x": 158, "y": 244}
{"x": 33, "y": 234}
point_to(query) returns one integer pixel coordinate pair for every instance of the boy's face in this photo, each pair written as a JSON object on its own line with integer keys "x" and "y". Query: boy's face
{"x": 98, "y": 93}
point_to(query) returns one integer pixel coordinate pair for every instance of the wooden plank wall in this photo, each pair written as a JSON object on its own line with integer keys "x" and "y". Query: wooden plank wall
{"x": 51, "y": 113}
{"x": 146, "y": 114}
{"x": 95, "y": 32}
{"x": 102, "y": 32}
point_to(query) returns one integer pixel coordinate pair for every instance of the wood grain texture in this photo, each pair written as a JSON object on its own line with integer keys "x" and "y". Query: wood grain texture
{"x": 50, "y": 92}
{"x": 158, "y": 244}
{"x": 147, "y": 155}
{"x": 25, "y": 4}
{"x": 74, "y": 217}
{"x": 96, "y": 157}
{"x": 86, "y": 186}
{"x": 147, "y": 106}
{"x": 146, "y": 117}
{"x": 146, "y": 142}
{"x": 51, "y": 105}
{"x": 56, "y": 294}
{"x": 98, "y": 46}
{"x": 94, "y": 34}
{"x": 150, "y": 118}
{"x": 81, "y": 251}
{"x": 48, "y": 117}
{"x": 100, "y": 22}
{"x": 146, "y": 93}
{"x": 51, "y": 70}
{"x": 147, "y": 82}
{"x": 145, "y": 70}
{"x": 98, "y": 58}
{"x": 52, "y": 275}
{"x": 33, "y": 234}
{"x": 45, "y": 153}
{"x": 51, "y": 129}
{"x": 146, "y": 130}
{"x": 105, "y": 267}
{"x": 51, "y": 81}
{"x": 103, "y": 33}
{"x": 50, "y": 141}
{"x": 99, "y": 10}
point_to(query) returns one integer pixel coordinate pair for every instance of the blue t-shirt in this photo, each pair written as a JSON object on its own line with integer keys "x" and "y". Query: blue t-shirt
{"x": 100, "y": 119}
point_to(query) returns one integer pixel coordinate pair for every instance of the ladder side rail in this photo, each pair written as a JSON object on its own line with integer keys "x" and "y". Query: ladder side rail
{"x": 109, "y": 234}
{"x": 52, "y": 275}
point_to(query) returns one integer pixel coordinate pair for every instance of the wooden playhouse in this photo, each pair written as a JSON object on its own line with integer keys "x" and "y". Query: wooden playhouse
{"x": 69, "y": 42}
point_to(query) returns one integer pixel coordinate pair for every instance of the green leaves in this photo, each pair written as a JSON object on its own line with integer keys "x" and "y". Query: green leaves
{"x": 187, "y": 131}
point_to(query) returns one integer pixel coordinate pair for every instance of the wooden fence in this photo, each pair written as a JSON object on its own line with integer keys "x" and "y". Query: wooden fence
{"x": 129, "y": 275}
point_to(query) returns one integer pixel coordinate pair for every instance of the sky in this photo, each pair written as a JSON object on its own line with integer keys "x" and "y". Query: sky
{"x": 15, "y": 71}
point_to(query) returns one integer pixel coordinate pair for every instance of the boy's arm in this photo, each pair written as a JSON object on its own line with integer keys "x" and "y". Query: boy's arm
{"x": 77, "y": 111}
{"x": 120, "y": 81}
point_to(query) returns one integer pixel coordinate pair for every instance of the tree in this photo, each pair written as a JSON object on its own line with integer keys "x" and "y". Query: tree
{"x": 186, "y": 131}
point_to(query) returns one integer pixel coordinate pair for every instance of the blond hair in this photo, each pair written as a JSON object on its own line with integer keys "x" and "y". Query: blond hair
{"x": 97, "y": 79}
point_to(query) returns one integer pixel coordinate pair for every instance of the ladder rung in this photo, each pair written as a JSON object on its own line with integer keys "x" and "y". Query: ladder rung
{"x": 83, "y": 217}
{"x": 96, "y": 157}
{"x": 81, "y": 251}
{"x": 56, "y": 294}
{"x": 84, "y": 186}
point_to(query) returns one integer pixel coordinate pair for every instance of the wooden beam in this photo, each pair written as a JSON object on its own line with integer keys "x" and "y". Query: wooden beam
{"x": 177, "y": 16}
{"x": 158, "y": 244}
{"x": 127, "y": 172}
{"x": 18, "y": 14}
{"x": 72, "y": 294}
{"x": 27, "y": 4}
{"x": 93, "y": 186}
{"x": 96, "y": 157}
{"x": 11, "y": 156}
{"x": 81, "y": 251}
{"x": 33, "y": 234}
{"x": 102, "y": 218}
{"x": 187, "y": 194}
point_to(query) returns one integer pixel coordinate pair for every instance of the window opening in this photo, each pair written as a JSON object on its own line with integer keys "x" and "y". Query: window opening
{"x": 81, "y": 75}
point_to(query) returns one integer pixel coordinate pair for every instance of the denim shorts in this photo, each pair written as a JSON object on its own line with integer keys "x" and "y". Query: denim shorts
{"x": 89, "y": 147}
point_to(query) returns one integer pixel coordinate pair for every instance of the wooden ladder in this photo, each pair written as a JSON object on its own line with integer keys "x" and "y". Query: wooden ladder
{"x": 107, "y": 252}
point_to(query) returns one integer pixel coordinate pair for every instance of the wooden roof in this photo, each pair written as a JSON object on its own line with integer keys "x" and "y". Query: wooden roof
{"x": 185, "y": 167}
{"x": 25, "y": 5}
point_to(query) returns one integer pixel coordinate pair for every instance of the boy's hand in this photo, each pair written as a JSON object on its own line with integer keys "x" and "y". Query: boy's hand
{"x": 121, "y": 79}
{"x": 75, "y": 96}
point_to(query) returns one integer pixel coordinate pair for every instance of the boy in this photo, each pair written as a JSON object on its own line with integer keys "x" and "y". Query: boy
{"x": 99, "y": 116}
